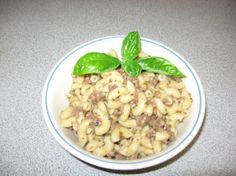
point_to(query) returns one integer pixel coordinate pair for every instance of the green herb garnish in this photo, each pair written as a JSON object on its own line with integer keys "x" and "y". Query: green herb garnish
{"x": 95, "y": 62}
{"x": 159, "y": 65}
{"x": 131, "y": 67}
{"x": 131, "y": 46}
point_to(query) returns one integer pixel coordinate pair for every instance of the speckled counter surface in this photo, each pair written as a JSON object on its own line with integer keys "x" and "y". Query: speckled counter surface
{"x": 35, "y": 35}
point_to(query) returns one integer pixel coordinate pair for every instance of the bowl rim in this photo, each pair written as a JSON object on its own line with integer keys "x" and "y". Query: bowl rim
{"x": 116, "y": 164}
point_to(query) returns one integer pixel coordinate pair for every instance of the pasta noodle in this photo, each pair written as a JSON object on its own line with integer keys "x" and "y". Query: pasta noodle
{"x": 120, "y": 117}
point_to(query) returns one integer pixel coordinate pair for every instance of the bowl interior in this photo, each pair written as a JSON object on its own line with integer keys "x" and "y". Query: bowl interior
{"x": 60, "y": 80}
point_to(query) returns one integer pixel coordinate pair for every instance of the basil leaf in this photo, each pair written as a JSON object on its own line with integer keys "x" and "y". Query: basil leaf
{"x": 131, "y": 67}
{"x": 160, "y": 65}
{"x": 94, "y": 62}
{"x": 131, "y": 46}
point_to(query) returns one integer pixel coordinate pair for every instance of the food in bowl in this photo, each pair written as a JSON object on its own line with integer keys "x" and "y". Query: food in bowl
{"x": 129, "y": 112}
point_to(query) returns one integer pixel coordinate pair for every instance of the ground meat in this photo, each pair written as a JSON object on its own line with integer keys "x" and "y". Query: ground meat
{"x": 134, "y": 102}
{"x": 152, "y": 133}
{"x": 117, "y": 112}
{"x": 120, "y": 70}
{"x": 132, "y": 157}
{"x": 87, "y": 79}
{"x": 153, "y": 103}
{"x": 124, "y": 75}
{"x": 93, "y": 97}
{"x": 156, "y": 123}
{"x": 90, "y": 115}
{"x": 111, "y": 154}
{"x": 76, "y": 111}
{"x": 93, "y": 117}
{"x": 142, "y": 120}
{"x": 172, "y": 136}
{"x": 96, "y": 97}
{"x": 113, "y": 125}
{"x": 177, "y": 80}
{"x": 159, "y": 125}
{"x": 119, "y": 156}
{"x": 167, "y": 127}
{"x": 101, "y": 96}
{"x": 134, "y": 81}
{"x": 112, "y": 87}
{"x": 155, "y": 81}
{"x": 116, "y": 155}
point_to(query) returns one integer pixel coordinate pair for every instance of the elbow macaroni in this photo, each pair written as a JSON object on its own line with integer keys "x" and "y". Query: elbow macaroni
{"x": 120, "y": 131}
{"x": 139, "y": 109}
{"x": 106, "y": 148}
{"x": 133, "y": 119}
{"x": 105, "y": 122}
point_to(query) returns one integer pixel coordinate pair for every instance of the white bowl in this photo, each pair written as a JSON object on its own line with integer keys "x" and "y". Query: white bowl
{"x": 59, "y": 81}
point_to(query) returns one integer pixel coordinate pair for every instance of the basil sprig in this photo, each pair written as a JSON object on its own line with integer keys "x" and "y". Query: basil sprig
{"x": 159, "y": 65}
{"x": 131, "y": 46}
{"x": 95, "y": 62}
{"x": 131, "y": 67}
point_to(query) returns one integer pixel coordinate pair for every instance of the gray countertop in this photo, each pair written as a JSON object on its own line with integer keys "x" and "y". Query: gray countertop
{"x": 34, "y": 35}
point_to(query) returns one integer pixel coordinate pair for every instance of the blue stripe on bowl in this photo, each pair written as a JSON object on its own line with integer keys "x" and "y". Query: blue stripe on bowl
{"x": 116, "y": 161}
